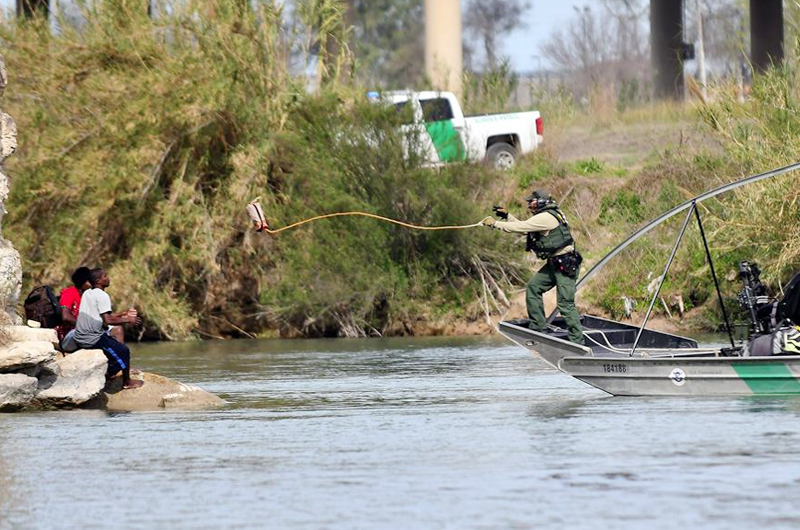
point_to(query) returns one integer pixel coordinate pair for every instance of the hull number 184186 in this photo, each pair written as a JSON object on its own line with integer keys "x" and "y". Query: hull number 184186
{"x": 615, "y": 368}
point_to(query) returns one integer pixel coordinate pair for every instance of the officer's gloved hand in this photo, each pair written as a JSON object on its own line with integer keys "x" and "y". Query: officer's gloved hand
{"x": 488, "y": 221}
{"x": 500, "y": 211}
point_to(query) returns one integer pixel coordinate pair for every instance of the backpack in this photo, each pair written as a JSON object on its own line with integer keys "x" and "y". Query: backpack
{"x": 41, "y": 305}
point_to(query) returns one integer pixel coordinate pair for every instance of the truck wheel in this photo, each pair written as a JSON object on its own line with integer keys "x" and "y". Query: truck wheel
{"x": 501, "y": 156}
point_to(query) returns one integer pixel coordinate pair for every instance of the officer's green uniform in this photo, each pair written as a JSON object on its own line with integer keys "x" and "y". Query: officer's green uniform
{"x": 548, "y": 236}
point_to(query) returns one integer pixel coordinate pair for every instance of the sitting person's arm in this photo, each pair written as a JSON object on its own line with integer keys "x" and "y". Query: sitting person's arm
{"x": 126, "y": 317}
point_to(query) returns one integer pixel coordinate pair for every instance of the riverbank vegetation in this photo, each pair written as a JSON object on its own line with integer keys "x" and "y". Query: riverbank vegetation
{"x": 141, "y": 140}
{"x": 714, "y": 141}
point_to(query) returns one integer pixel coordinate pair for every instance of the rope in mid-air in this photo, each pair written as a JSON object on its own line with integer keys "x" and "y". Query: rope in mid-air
{"x": 260, "y": 221}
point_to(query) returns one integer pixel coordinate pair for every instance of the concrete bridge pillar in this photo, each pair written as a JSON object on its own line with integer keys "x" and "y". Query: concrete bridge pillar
{"x": 443, "y": 51}
{"x": 766, "y": 33}
{"x": 666, "y": 46}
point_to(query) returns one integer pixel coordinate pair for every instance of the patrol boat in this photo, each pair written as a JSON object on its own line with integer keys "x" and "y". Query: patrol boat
{"x": 626, "y": 360}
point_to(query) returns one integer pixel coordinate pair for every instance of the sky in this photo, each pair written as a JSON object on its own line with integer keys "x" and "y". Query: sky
{"x": 521, "y": 46}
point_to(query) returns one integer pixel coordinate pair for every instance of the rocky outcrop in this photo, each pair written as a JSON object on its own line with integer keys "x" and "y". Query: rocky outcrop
{"x": 10, "y": 264}
{"x": 16, "y": 391}
{"x": 72, "y": 380}
{"x": 36, "y": 376}
{"x": 25, "y": 333}
{"x": 158, "y": 393}
{"x": 18, "y": 356}
{"x": 33, "y": 375}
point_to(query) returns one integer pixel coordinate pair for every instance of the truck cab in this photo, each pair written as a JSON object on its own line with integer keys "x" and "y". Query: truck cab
{"x": 446, "y": 135}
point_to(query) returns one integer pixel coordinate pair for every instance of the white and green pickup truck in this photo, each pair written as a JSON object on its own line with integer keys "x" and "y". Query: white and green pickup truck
{"x": 446, "y": 135}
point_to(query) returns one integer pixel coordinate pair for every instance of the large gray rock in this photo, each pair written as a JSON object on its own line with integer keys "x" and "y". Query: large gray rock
{"x": 10, "y": 280}
{"x": 25, "y": 333}
{"x": 10, "y": 265}
{"x": 158, "y": 393}
{"x": 21, "y": 355}
{"x": 8, "y": 136}
{"x": 4, "y": 190}
{"x": 3, "y": 78}
{"x": 77, "y": 378}
{"x": 16, "y": 391}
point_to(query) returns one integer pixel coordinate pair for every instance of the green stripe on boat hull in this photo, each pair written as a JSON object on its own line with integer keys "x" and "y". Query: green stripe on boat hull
{"x": 768, "y": 378}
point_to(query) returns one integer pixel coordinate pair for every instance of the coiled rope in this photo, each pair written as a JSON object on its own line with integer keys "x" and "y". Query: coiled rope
{"x": 260, "y": 223}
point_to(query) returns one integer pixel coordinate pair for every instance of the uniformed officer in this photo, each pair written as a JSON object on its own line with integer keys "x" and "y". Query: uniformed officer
{"x": 548, "y": 236}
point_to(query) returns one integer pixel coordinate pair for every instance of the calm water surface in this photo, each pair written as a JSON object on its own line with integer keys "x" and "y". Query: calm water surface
{"x": 406, "y": 433}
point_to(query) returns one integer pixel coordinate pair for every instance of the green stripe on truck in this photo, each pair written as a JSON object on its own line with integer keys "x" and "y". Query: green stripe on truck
{"x": 446, "y": 140}
{"x": 768, "y": 378}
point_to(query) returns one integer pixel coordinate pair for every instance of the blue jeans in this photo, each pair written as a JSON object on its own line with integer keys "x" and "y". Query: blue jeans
{"x": 118, "y": 355}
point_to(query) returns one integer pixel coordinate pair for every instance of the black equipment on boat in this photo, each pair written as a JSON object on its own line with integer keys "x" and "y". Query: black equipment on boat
{"x": 753, "y": 297}
{"x": 767, "y": 313}
{"x": 789, "y": 307}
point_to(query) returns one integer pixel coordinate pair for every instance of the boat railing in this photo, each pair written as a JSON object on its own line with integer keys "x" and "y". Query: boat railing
{"x": 646, "y": 352}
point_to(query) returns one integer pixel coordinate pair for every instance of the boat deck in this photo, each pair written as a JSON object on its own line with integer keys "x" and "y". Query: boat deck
{"x": 608, "y": 338}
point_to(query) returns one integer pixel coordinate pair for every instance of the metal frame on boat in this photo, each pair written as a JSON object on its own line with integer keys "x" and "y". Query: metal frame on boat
{"x": 626, "y": 360}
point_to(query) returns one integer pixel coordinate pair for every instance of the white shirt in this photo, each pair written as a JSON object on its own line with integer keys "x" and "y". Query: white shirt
{"x": 89, "y": 326}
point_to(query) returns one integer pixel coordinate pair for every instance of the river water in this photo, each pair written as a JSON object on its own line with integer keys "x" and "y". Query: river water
{"x": 400, "y": 433}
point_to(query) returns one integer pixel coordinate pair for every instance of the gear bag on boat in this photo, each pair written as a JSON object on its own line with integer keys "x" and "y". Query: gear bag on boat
{"x": 785, "y": 340}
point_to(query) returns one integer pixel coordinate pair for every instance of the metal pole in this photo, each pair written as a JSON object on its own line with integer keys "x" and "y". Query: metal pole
{"x": 714, "y": 275}
{"x": 664, "y": 275}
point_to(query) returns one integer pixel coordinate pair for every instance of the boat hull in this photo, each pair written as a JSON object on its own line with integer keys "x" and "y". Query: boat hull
{"x": 685, "y": 371}
{"x": 688, "y": 376}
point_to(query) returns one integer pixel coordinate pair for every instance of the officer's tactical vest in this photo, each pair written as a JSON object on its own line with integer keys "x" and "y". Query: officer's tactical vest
{"x": 545, "y": 244}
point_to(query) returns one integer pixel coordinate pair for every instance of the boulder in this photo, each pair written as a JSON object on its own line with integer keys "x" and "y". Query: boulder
{"x": 22, "y": 355}
{"x": 3, "y": 77}
{"x": 8, "y": 136}
{"x": 4, "y": 191}
{"x": 10, "y": 280}
{"x": 158, "y": 393}
{"x": 16, "y": 391}
{"x": 25, "y": 333}
{"x": 76, "y": 379}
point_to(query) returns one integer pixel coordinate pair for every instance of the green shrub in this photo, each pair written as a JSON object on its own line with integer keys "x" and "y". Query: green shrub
{"x": 589, "y": 167}
{"x": 625, "y": 207}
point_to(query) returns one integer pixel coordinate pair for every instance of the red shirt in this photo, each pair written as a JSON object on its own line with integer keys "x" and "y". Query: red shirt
{"x": 71, "y": 299}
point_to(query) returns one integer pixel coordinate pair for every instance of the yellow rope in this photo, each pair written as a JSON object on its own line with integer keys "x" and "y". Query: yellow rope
{"x": 401, "y": 223}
